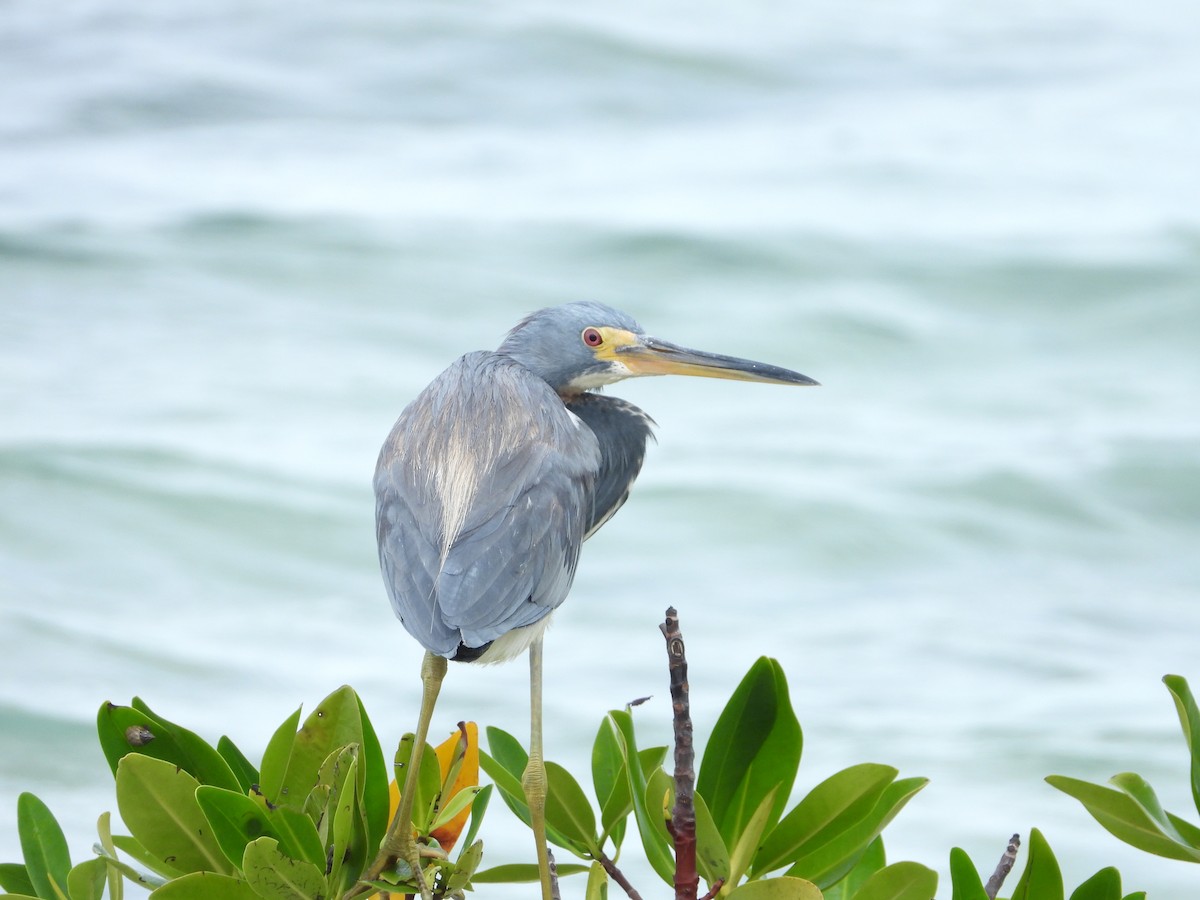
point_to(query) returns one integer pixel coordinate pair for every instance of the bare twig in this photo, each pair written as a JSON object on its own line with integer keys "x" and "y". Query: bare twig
{"x": 683, "y": 819}
{"x": 1007, "y": 861}
{"x": 714, "y": 890}
{"x": 619, "y": 877}
{"x": 554, "y": 891}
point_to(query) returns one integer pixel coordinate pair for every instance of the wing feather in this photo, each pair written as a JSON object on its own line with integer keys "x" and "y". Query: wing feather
{"x": 484, "y": 490}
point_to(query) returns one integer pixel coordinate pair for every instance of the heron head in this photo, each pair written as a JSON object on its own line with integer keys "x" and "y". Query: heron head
{"x": 582, "y": 346}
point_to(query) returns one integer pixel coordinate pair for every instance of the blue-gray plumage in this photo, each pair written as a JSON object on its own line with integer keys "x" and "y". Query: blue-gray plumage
{"x": 495, "y": 474}
{"x": 488, "y": 485}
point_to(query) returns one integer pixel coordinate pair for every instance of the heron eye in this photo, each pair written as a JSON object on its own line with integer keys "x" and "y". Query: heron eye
{"x": 592, "y": 337}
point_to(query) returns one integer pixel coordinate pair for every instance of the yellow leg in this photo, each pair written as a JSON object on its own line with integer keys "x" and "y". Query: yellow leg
{"x": 399, "y": 842}
{"x": 534, "y": 779}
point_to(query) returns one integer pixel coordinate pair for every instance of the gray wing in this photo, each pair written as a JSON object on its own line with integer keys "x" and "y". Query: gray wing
{"x": 483, "y": 490}
{"x": 622, "y": 431}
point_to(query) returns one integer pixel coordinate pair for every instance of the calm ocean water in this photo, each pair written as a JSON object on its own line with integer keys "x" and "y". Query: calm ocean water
{"x": 235, "y": 241}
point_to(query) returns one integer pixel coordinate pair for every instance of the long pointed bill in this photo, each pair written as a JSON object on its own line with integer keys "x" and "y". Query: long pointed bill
{"x": 651, "y": 356}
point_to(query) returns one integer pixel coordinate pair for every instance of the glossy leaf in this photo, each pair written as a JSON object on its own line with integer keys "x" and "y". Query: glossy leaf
{"x": 782, "y": 888}
{"x": 157, "y": 800}
{"x": 277, "y": 756}
{"x": 235, "y": 819}
{"x": 597, "y": 883}
{"x": 900, "y": 881}
{"x": 872, "y": 860}
{"x": 205, "y": 886}
{"x": 839, "y": 803}
{"x": 522, "y": 873}
{"x": 275, "y": 876}
{"x": 826, "y": 862}
{"x": 505, "y": 767}
{"x": 1189, "y": 720}
{"x": 47, "y": 859}
{"x": 86, "y": 881}
{"x": 465, "y": 866}
{"x": 243, "y": 770}
{"x": 137, "y": 728}
{"x": 336, "y": 722}
{"x": 754, "y": 748}
{"x": 712, "y": 856}
{"x": 116, "y": 888}
{"x": 157, "y": 870}
{"x": 1104, "y": 885}
{"x": 297, "y": 834}
{"x": 1139, "y": 789}
{"x": 965, "y": 877}
{"x": 659, "y": 852}
{"x": 742, "y": 852}
{"x": 1124, "y": 817}
{"x": 608, "y": 776}
{"x": 458, "y": 761}
{"x": 14, "y": 879}
{"x": 1042, "y": 879}
{"x": 478, "y": 808}
{"x": 568, "y": 810}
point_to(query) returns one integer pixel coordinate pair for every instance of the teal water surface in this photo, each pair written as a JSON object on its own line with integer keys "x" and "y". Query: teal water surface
{"x": 235, "y": 241}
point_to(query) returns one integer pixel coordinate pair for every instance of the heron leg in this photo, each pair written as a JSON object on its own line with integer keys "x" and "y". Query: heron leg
{"x": 399, "y": 842}
{"x": 534, "y": 779}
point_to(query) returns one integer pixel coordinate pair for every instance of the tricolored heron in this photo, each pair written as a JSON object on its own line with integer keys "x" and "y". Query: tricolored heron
{"x": 490, "y": 482}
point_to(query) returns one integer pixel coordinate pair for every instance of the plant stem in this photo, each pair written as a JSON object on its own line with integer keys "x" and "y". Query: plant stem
{"x": 619, "y": 877}
{"x": 683, "y": 818}
{"x": 1007, "y": 860}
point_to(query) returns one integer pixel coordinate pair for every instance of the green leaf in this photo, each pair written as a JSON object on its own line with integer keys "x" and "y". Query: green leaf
{"x": 1104, "y": 885}
{"x": 597, "y": 883}
{"x": 1136, "y": 895}
{"x": 47, "y": 859}
{"x": 873, "y": 859}
{"x": 158, "y": 869}
{"x": 1042, "y": 879}
{"x": 376, "y": 791}
{"x": 839, "y": 803}
{"x": 610, "y": 781}
{"x": 1123, "y": 816}
{"x": 900, "y": 881}
{"x": 297, "y": 835}
{"x": 243, "y": 770}
{"x": 659, "y": 852}
{"x": 505, "y": 768}
{"x": 464, "y": 867}
{"x": 781, "y": 888}
{"x": 712, "y": 856}
{"x": 965, "y": 877}
{"x": 348, "y": 850}
{"x": 827, "y": 860}
{"x": 1139, "y": 789}
{"x": 137, "y": 729}
{"x": 86, "y": 881}
{"x": 275, "y": 876}
{"x": 277, "y": 756}
{"x": 1189, "y": 720}
{"x": 521, "y": 873}
{"x": 205, "y": 886}
{"x": 336, "y": 722}
{"x": 754, "y": 748}
{"x": 14, "y": 879}
{"x": 157, "y": 800}
{"x": 457, "y": 804}
{"x": 742, "y": 852}
{"x": 236, "y": 820}
{"x": 116, "y": 888}
{"x": 478, "y": 808}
